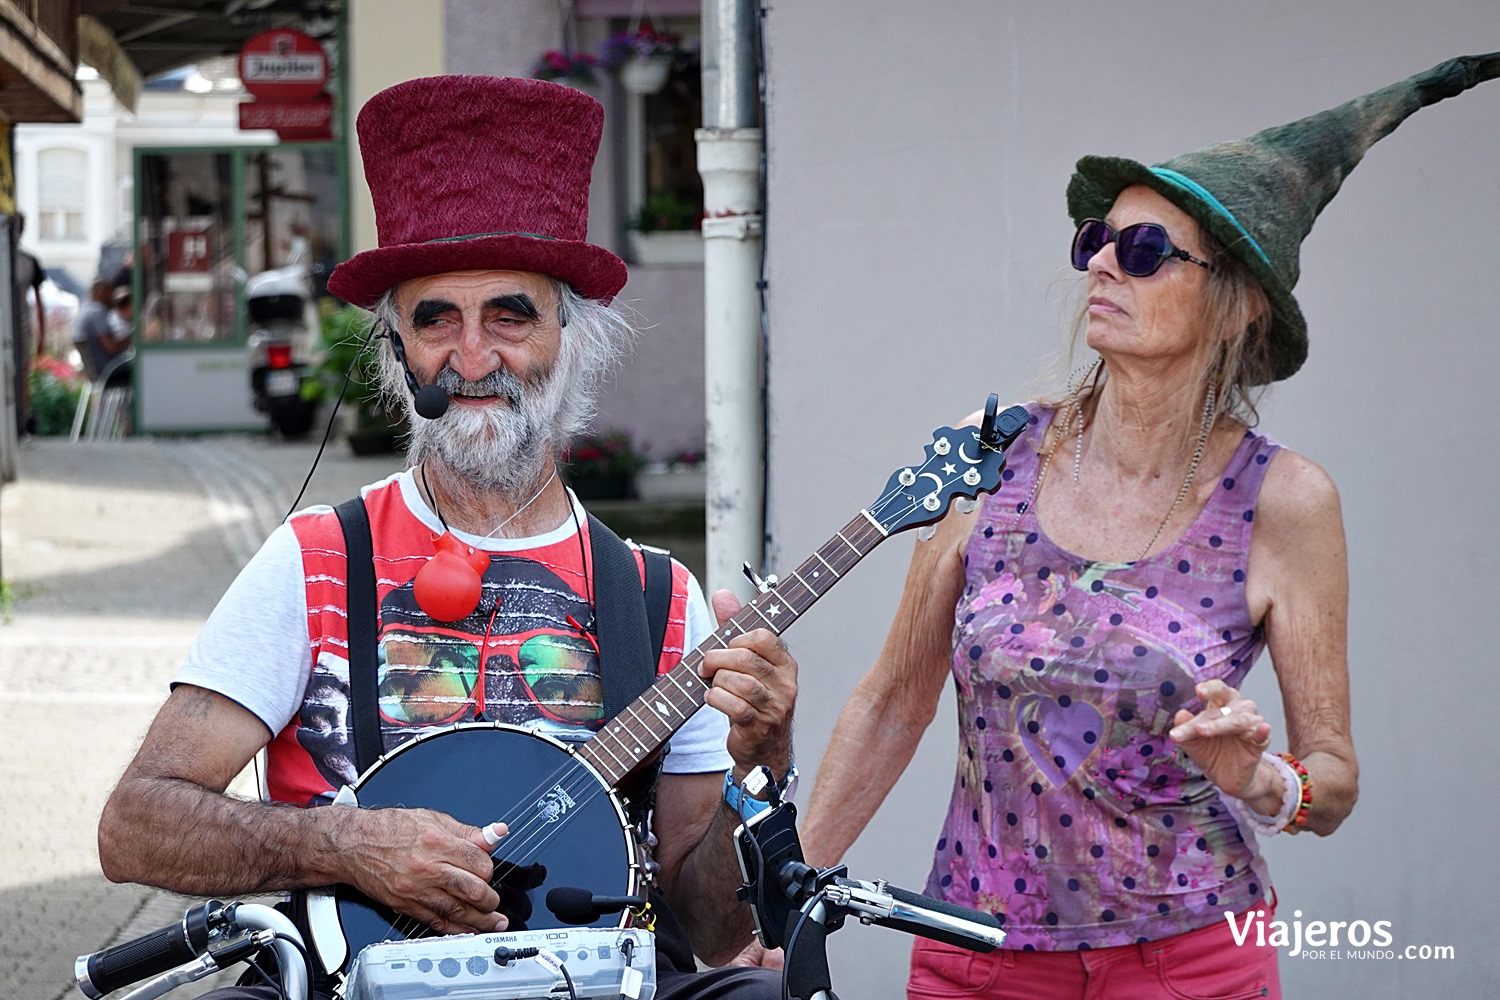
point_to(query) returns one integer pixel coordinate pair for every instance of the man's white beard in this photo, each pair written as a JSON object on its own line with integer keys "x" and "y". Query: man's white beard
{"x": 503, "y": 445}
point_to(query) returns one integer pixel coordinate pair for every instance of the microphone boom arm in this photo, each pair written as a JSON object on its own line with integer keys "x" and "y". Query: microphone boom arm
{"x": 797, "y": 906}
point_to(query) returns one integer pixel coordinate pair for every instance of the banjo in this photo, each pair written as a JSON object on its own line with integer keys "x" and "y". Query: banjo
{"x": 567, "y": 826}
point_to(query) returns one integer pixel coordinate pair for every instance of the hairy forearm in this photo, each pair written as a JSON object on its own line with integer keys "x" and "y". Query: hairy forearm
{"x": 702, "y": 893}
{"x": 177, "y": 835}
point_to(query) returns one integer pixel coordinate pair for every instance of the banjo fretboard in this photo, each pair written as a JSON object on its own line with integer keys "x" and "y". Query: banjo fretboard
{"x": 648, "y": 722}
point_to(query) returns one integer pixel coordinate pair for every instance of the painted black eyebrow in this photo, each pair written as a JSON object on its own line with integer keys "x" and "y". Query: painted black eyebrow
{"x": 427, "y": 310}
{"x": 516, "y": 302}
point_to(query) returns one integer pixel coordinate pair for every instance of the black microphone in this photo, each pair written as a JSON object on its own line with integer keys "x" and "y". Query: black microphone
{"x": 572, "y": 905}
{"x": 431, "y": 400}
{"x": 160, "y": 951}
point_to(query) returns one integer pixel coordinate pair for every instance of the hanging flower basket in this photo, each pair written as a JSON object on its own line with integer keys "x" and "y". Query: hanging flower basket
{"x": 645, "y": 74}
{"x": 571, "y": 69}
{"x": 642, "y": 57}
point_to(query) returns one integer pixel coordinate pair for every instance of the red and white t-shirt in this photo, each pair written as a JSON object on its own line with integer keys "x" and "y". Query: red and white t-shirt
{"x": 278, "y": 643}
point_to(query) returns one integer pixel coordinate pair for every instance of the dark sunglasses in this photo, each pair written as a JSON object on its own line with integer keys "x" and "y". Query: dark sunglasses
{"x": 1141, "y": 249}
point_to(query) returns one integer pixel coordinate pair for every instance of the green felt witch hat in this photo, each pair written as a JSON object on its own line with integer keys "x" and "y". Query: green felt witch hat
{"x": 1260, "y": 195}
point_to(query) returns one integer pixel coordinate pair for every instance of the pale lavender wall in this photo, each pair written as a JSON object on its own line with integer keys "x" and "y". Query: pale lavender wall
{"x": 658, "y": 394}
{"x": 501, "y": 39}
{"x": 917, "y": 255}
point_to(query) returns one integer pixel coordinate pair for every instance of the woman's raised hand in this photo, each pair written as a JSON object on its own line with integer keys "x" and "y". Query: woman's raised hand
{"x": 1226, "y": 739}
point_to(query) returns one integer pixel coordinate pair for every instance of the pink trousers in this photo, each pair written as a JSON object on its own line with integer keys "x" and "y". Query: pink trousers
{"x": 1204, "y": 964}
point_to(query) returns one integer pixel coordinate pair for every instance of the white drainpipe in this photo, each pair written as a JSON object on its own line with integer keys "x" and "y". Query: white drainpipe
{"x": 729, "y": 149}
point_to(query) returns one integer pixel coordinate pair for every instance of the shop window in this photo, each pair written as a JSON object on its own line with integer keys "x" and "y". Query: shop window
{"x": 291, "y": 211}
{"x": 62, "y": 186}
{"x": 186, "y": 257}
{"x": 663, "y": 193}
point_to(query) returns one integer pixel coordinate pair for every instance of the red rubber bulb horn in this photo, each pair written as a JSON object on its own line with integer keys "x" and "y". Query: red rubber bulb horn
{"x": 448, "y": 588}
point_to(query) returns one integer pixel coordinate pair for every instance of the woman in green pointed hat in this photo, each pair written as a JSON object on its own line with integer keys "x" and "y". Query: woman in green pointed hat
{"x": 1101, "y": 611}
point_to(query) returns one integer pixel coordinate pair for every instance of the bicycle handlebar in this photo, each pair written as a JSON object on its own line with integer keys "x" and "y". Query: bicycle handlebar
{"x": 188, "y": 950}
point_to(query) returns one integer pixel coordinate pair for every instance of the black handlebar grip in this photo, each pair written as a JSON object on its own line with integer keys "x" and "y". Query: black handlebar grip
{"x": 105, "y": 971}
{"x": 958, "y": 940}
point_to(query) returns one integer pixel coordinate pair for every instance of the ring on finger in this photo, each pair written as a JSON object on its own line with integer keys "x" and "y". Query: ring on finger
{"x": 1225, "y": 710}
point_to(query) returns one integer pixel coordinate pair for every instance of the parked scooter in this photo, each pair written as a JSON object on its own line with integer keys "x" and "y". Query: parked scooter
{"x": 282, "y": 344}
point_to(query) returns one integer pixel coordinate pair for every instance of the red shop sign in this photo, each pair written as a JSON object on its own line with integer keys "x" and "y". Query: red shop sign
{"x": 305, "y": 120}
{"x": 189, "y": 252}
{"x": 283, "y": 65}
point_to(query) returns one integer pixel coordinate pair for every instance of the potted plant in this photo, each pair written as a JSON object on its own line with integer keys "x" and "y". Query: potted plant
{"x": 55, "y": 389}
{"x": 602, "y": 466}
{"x": 666, "y": 210}
{"x": 571, "y": 69}
{"x": 375, "y": 429}
{"x": 642, "y": 58}
{"x": 665, "y": 230}
{"x": 680, "y": 478}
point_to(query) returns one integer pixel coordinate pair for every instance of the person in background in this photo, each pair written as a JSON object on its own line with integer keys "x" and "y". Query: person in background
{"x": 31, "y": 334}
{"x": 97, "y": 332}
{"x": 123, "y": 311}
{"x": 125, "y": 273}
{"x": 1100, "y": 613}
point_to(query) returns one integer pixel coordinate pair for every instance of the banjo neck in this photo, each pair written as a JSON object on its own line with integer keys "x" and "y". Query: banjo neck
{"x": 957, "y": 466}
{"x": 643, "y": 726}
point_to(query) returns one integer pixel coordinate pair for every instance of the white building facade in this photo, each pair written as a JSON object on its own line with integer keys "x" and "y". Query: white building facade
{"x": 75, "y": 183}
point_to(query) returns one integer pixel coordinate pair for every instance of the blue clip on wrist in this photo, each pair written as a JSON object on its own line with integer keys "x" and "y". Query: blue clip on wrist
{"x": 742, "y": 799}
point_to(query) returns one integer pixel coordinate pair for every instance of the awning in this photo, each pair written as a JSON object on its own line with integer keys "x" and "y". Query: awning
{"x": 37, "y": 59}
{"x": 98, "y": 48}
{"x": 161, "y": 35}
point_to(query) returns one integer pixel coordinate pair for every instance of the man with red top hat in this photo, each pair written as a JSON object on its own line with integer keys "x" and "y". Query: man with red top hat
{"x": 490, "y": 588}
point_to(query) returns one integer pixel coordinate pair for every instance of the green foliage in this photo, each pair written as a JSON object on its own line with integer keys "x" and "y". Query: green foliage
{"x": 667, "y": 210}
{"x": 13, "y": 593}
{"x": 55, "y": 388}
{"x": 344, "y": 333}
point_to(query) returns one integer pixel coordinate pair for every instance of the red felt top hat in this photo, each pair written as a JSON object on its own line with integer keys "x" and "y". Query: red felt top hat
{"x": 479, "y": 173}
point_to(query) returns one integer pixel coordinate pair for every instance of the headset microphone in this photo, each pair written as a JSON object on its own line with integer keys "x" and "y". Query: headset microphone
{"x": 431, "y": 401}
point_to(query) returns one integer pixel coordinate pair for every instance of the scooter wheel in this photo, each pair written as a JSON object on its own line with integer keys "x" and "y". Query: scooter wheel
{"x": 293, "y": 422}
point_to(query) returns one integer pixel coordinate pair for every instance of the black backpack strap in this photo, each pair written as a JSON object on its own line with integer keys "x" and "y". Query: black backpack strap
{"x": 626, "y": 667}
{"x": 364, "y": 683}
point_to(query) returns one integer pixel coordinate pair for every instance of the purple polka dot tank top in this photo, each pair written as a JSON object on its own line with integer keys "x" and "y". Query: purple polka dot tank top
{"x": 1074, "y": 818}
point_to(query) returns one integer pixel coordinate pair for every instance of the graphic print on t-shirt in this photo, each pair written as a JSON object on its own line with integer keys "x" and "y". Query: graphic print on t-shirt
{"x": 537, "y": 670}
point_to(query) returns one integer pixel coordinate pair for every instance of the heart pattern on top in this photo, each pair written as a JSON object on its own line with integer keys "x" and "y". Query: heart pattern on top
{"x": 1061, "y": 734}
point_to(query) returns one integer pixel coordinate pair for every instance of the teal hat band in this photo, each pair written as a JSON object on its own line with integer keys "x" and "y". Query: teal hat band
{"x": 1203, "y": 194}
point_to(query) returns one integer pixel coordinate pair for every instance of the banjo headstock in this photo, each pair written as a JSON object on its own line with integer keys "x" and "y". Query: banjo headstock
{"x": 959, "y": 464}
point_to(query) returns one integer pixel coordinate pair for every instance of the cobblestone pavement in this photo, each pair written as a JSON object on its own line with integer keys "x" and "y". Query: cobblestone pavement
{"x": 116, "y": 552}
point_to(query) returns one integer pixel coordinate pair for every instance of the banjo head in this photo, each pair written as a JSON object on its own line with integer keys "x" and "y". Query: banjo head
{"x": 566, "y": 825}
